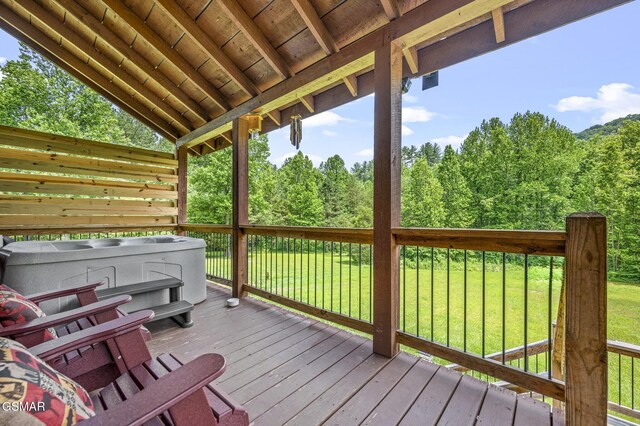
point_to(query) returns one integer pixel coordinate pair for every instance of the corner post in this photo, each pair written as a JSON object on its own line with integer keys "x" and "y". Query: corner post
{"x": 240, "y": 213}
{"x": 386, "y": 203}
{"x": 586, "y": 319}
{"x": 183, "y": 157}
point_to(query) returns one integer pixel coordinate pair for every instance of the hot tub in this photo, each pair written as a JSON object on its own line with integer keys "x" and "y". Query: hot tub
{"x": 36, "y": 266}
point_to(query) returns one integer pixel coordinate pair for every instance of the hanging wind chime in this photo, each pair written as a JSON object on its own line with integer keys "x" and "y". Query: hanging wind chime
{"x": 295, "y": 133}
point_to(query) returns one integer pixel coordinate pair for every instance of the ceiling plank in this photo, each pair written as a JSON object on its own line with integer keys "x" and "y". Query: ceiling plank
{"x": 92, "y": 24}
{"x": 498, "y": 24}
{"x": 442, "y": 16}
{"x": 275, "y": 116}
{"x": 308, "y": 103}
{"x": 121, "y": 11}
{"x": 411, "y": 56}
{"x": 391, "y": 9}
{"x": 316, "y": 26}
{"x": 352, "y": 84}
{"x": 239, "y": 17}
{"x": 23, "y": 30}
{"x": 202, "y": 39}
{"x": 66, "y": 34}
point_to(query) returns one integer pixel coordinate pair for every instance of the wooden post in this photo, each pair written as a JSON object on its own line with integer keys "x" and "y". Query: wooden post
{"x": 183, "y": 157}
{"x": 240, "y": 213}
{"x": 386, "y": 201}
{"x": 586, "y": 320}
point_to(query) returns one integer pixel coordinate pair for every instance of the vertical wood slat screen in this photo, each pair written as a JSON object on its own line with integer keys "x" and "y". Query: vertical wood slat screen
{"x": 52, "y": 180}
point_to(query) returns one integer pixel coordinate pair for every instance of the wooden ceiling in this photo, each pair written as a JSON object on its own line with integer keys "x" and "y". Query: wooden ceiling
{"x": 187, "y": 68}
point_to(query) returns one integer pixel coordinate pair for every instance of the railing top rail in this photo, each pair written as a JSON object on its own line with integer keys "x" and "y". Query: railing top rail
{"x": 204, "y": 227}
{"x": 623, "y": 348}
{"x": 346, "y": 235}
{"x": 547, "y": 243}
{"x": 80, "y": 229}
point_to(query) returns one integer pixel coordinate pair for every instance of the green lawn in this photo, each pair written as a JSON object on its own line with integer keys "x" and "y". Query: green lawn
{"x": 337, "y": 283}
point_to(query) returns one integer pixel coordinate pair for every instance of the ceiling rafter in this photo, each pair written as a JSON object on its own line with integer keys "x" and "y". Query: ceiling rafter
{"x": 67, "y": 34}
{"x": 351, "y": 81}
{"x": 391, "y": 9}
{"x": 275, "y": 116}
{"x": 191, "y": 28}
{"x": 256, "y": 37}
{"x": 411, "y": 56}
{"x": 308, "y": 102}
{"x": 316, "y": 26}
{"x": 121, "y": 11}
{"x": 410, "y": 29}
{"x": 498, "y": 24}
{"x": 92, "y": 24}
{"x": 16, "y": 26}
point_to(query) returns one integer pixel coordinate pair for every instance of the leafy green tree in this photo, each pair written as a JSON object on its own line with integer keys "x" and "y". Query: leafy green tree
{"x": 456, "y": 195}
{"x": 297, "y": 200}
{"x": 363, "y": 171}
{"x": 422, "y": 204}
{"x": 431, "y": 152}
{"x": 335, "y": 181}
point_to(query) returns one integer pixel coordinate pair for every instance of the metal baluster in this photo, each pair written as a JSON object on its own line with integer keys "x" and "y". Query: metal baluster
{"x": 484, "y": 302}
{"x": 549, "y": 307}
{"x": 504, "y": 290}
{"x": 404, "y": 288}
{"x": 464, "y": 304}
{"x": 417, "y": 291}
{"x": 526, "y": 310}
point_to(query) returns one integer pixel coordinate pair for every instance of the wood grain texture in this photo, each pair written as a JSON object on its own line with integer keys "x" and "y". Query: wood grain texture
{"x": 183, "y": 164}
{"x": 240, "y": 203}
{"x": 386, "y": 200}
{"x": 586, "y": 319}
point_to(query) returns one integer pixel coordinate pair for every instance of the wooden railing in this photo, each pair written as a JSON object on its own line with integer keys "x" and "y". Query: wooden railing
{"x": 624, "y": 383}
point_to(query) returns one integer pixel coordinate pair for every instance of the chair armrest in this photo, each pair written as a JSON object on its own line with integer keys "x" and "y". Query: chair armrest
{"x": 162, "y": 394}
{"x": 66, "y": 317}
{"x": 54, "y": 294}
{"x": 52, "y": 349}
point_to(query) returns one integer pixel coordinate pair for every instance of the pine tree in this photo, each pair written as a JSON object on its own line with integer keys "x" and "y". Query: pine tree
{"x": 456, "y": 195}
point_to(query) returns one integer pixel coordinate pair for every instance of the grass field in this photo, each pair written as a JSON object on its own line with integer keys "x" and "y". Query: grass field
{"x": 343, "y": 284}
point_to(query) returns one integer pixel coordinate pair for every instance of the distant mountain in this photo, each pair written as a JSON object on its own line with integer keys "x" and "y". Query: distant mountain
{"x": 608, "y": 128}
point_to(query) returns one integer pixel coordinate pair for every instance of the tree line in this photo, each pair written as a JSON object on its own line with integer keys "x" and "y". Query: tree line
{"x": 529, "y": 173}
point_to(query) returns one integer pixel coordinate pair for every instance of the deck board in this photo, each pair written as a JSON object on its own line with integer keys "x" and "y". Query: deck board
{"x": 289, "y": 369}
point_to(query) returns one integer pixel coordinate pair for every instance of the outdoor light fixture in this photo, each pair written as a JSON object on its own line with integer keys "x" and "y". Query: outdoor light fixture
{"x": 406, "y": 85}
{"x": 255, "y": 125}
{"x": 430, "y": 80}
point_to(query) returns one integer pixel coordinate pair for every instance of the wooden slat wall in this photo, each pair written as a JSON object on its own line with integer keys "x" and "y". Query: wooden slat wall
{"x": 52, "y": 180}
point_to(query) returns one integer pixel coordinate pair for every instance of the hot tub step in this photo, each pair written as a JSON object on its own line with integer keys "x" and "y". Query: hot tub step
{"x": 138, "y": 288}
{"x": 179, "y": 311}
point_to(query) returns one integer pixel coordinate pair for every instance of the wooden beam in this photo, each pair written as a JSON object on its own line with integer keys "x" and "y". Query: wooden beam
{"x": 275, "y": 116}
{"x": 121, "y": 11}
{"x": 240, "y": 211}
{"x": 202, "y": 39}
{"x": 23, "y": 30}
{"x": 316, "y": 26}
{"x": 89, "y": 22}
{"x": 586, "y": 319}
{"x": 66, "y": 34}
{"x": 183, "y": 163}
{"x": 433, "y": 17}
{"x": 391, "y": 8}
{"x": 308, "y": 103}
{"x": 498, "y": 24}
{"x": 411, "y": 56}
{"x": 351, "y": 81}
{"x": 386, "y": 201}
{"x": 239, "y": 17}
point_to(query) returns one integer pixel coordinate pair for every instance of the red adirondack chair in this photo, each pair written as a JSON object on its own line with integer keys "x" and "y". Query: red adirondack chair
{"x": 150, "y": 391}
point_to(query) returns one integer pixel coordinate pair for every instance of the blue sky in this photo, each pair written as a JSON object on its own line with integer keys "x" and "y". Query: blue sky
{"x": 582, "y": 74}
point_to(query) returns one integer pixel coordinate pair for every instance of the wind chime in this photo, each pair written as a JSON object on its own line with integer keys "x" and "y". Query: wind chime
{"x": 295, "y": 133}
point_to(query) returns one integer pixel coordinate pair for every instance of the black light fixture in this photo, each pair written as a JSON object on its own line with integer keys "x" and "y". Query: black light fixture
{"x": 429, "y": 80}
{"x": 406, "y": 85}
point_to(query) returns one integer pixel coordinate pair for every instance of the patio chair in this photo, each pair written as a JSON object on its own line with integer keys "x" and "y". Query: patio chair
{"x": 90, "y": 361}
{"x": 150, "y": 391}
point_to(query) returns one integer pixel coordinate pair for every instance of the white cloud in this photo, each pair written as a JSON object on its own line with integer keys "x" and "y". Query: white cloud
{"x": 315, "y": 159}
{"x": 3, "y": 60}
{"x": 612, "y": 101}
{"x": 365, "y": 153}
{"x": 410, "y": 98}
{"x": 406, "y": 131}
{"x": 454, "y": 141}
{"x": 328, "y": 118}
{"x": 329, "y": 133}
{"x": 416, "y": 115}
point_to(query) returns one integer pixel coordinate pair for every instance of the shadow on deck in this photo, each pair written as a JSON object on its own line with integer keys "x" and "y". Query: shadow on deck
{"x": 288, "y": 369}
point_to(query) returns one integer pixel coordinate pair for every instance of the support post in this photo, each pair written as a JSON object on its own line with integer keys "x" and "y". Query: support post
{"x": 586, "y": 319}
{"x": 183, "y": 156}
{"x": 386, "y": 203}
{"x": 240, "y": 205}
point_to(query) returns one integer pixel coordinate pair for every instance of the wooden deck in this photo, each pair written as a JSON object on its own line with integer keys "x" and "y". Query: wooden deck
{"x": 288, "y": 369}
